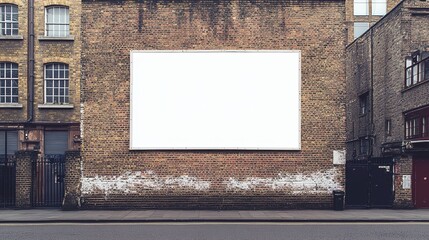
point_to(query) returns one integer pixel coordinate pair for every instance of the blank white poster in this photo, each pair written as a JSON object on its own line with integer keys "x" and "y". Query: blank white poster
{"x": 246, "y": 100}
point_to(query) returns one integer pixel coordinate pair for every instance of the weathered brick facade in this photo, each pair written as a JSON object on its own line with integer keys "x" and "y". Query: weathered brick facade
{"x": 23, "y": 178}
{"x": 115, "y": 177}
{"x": 72, "y": 181}
{"x": 46, "y": 51}
{"x": 375, "y": 65}
{"x": 31, "y": 126}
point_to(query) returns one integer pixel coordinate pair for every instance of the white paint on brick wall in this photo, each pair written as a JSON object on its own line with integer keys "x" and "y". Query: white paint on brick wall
{"x": 82, "y": 114}
{"x": 316, "y": 182}
{"x": 133, "y": 182}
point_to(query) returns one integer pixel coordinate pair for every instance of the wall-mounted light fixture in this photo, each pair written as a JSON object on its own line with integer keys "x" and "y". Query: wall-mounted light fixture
{"x": 26, "y": 134}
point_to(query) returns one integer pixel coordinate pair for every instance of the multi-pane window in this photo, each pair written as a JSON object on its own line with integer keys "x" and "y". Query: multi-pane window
{"x": 57, "y": 83}
{"x": 417, "y": 125}
{"x": 417, "y": 128}
{"x": 8, "y": 82}
{"x": 8, "y": 19}
{"x": 360, "y": 28}
{"x": 361, "y": 7}
{"x": 57, "y": 21}
{"x": 416, "y": 68}
{"x": 379, "y": 7}
{"x": 412, "y": 127}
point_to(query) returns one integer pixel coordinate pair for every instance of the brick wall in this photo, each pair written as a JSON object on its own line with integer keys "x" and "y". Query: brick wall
{"x": 23, "y": 178}
{"x": 113, "y": 176}
{"x": 403, "y": 197}
{"x": 388, "y": 73}
{"x": 72, "y": 181}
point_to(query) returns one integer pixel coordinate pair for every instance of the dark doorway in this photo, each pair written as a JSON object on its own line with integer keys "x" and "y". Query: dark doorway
{"x": 421, "y": 182}
{"x": 369, "y": 183}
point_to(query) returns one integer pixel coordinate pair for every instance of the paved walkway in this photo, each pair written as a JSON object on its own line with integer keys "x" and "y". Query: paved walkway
{"x": 360, "y": 215}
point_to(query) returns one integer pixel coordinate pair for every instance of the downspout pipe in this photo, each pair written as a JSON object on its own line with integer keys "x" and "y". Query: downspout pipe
{"x": 30, "y": 62}
{"x": 372, "y": 136}
{"x": 30, "y": 67}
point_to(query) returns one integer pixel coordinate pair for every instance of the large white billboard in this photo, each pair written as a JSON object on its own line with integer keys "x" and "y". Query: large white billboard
{"x": 246, "y": 100}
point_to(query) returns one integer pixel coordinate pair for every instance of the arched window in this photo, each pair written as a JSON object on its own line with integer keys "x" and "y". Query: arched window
{"x": 57, "y": 21}
{"x": 56, "y": 83}
{"x": 8, "y": 82}
{"x": 8, "y": 20}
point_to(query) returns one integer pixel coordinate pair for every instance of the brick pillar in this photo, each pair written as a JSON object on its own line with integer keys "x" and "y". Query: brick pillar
{"x": 72, "y": 181}
{"x": 403, "y": 197}
{"x": 23, "y": 178}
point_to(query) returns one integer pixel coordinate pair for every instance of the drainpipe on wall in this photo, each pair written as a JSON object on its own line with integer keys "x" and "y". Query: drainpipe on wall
{"x": 30, "y": 67}
{"x": 372, "y": 136}
{"x": 30, "y": 62}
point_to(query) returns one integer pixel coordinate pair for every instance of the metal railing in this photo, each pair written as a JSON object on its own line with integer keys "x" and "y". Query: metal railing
{"x": 7, "y": 181}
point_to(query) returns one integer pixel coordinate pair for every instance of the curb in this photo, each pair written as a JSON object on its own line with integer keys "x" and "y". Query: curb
{"x": 219, "y": 221}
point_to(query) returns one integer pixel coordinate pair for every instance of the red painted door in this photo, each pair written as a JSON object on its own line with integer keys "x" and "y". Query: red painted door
{"x": 421, "y": 183}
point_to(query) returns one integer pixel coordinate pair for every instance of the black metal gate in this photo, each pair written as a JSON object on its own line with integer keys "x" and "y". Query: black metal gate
{"x": 369, "y": 183}
{"x": 48, "y": 181}
{"x": 7, "y": 181}
{"x": 8, "y": 147}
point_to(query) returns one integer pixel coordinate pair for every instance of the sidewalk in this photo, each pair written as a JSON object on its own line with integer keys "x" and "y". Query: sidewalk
{"x": 360, "y": 215}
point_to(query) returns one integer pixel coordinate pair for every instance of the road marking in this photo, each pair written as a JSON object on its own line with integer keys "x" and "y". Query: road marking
{"x": 215, "y": 223}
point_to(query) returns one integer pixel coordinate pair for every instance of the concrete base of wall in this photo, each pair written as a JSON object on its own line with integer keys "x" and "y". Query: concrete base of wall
{"x": 206, "y": 202}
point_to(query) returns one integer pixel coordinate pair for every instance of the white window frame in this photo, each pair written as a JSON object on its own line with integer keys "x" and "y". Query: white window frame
{"x": 7, "y": 83}
{"x": 65, "y": 21}
{"x": 58, "y": 83}
{"x": 13, "y": 23}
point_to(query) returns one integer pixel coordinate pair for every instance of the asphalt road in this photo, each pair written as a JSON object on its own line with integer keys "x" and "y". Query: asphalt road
{"x": 224, "y": 231}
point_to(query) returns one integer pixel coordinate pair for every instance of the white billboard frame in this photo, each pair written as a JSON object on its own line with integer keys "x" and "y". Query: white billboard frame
{"x": 215, "y": 148}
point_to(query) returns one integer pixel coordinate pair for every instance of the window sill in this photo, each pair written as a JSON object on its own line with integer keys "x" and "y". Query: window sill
{"x": 13, "y": 37}
{"x": 414, "y": 86}
{"x": 55, "y": 106}
{"x": 46, "y": 38}
{"x": 10, "y": 105}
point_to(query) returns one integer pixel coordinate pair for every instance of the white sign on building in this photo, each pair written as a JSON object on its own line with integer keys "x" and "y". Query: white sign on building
{"x": 215, "y": 100}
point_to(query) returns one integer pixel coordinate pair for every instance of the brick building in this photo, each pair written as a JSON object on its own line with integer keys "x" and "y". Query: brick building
{"x": 40, "y": 46}
{"x": 387, "y": 110}
{"x": 115, "y": 176}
